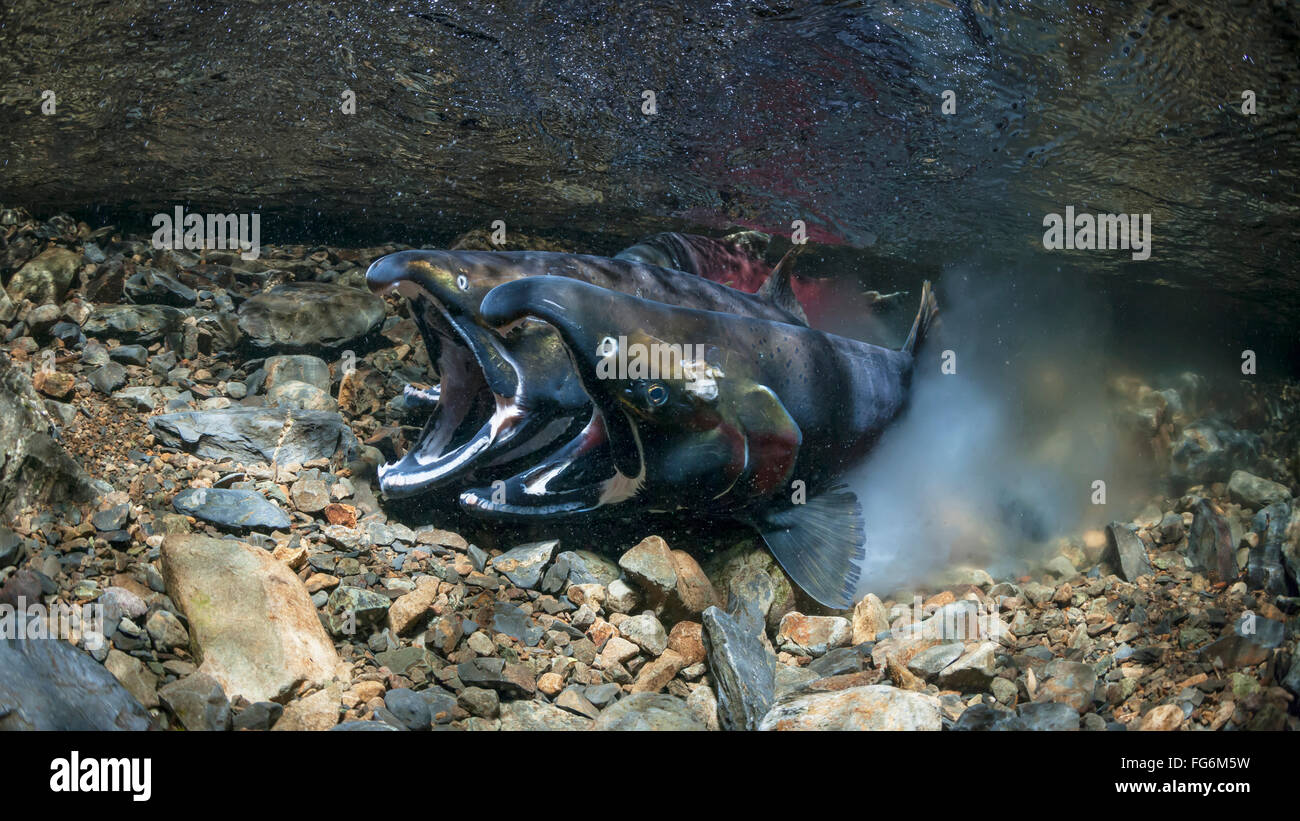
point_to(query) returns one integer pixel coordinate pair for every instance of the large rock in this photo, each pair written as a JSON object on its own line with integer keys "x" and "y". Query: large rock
{"x": 1208, "y": 451}
{"x": 1255, "y": 491}
{"x": 536, "y": 715}
{"x": 254, "y": 435}
{"x": 47, "y": 684}
{"x": 46, "y": 278}
{"x": 651, "y": 712}
{"x": 252, "y": 624}
{"x": 524, "y": 565}
{"x": 134, "y": 323}
{"x": 872, "y": 707}
{"x": 36, "y": 470}
{"x": 296, "y": 368}
{"x": 305, "y": 315}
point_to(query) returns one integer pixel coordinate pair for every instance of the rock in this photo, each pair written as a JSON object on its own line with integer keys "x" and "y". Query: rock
{"x": 480, "y": 701}
{"x": 1251, "y": 642}
{"x": 36, "y": 471}
{"x": 230, "y": 508}
{"x": 166, "y": 631}
{"x": 524, "y": 565}
{"x": 354, "y": 609}
{"x": 111, "y": 518}
{"x": 130, "y": 355}
{"x": 253, "y": 626}
{"x": 703, "y": 704}
{"x": 510, "y": 680}
{"x": 309, "y": 315}
{"x": 973, "y": 672}
{"x": 11, "y": 547}
{"x": 539, "y": 716}
{"x": 869, "y": 618}
{"x": 812, "y": 635}
{"x": 733, "y": 572}
{"x": 1068, "y": 682}
{"x": 364, "y": 726}
{"x": 1210, "y": 545}
{"x": 259, "y": 716}
{"x": 742, "y": 667}
{"x": 51, "y": 685}
{"x": 1256, "y": 492}
{"x": 198, "y": 702}
{"x": 573, "y": 701}
{"x": 318, "y": 711}
{"x": 693, "y": 592}
{"x": 655, "y": 675}
{"x": 1044, "y": 716}
{"x": 296, "y": 368}
{"x": 409, "y": 610}
{"x": 649, "y": 712}
{"x": 107, "y": 378}
{"x": 300, "y": 396}
{"x": 1166, "y": 717}
{"x": 1126, "y": 553}
{"x": 687, "y": 640}
{"x": 134, "y": 323}
{"x": 1208, "y": 451}
{"x": 410, "y": 708}
{"x": 310, "y": 495}
{"x": 257, "y": 435}
{"x": 927, "y": 663}
{"x": 871, "y": 707}
{"x": 620, "y": 597}
{"x": 148, "y": 286}
{"x": 646, "y": 632}
{"x": 139, "y": 681}
{"x": 1267, "y": 561}
{"x": 54, "y": 384}
{"x": 586, "y": 567}
{"x": 46, "y": 278}
{"x": 650, "y": 566}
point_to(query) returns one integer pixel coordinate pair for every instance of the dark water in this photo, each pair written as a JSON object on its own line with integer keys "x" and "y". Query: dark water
{"x": 766, "y": 113}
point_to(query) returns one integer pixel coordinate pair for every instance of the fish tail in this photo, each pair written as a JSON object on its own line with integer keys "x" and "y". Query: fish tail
{"x": 925, "y": 316}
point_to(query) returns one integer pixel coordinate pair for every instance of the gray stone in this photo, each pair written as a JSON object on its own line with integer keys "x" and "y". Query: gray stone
{"x": 524, "y": 565}
{"x": 872, "y": 707}
{"x": 198, "y": 702}
{"x": 148, "y": 286}
{"x": 930, "y": 661}
{"x": 1208, "y": 451}
{"x": 1210, "y": 546}
{"x": 1068, "y": 682}
{"x": 130, "y": 355}
{"x": 134, "y": 323}
{"x": 743, "y": 669}
{"x": 650, "y": 712}
{"x": 646, "y": 632}
{"x": 1126, "y": 553}
{"x": 586, "y": 567}
{"x": 1254, "y": 491}
{"x": 410, "y": 708}
{"x": 257, "y": 435}
{"x": 46, "y": 278}
{"x": 306, "y": 315}
{"x": 354, "y": 609}
{"x": 112, "y": 518}
{"x": 230, "y": 508}
{"x": 300, "y": 396}
{"x": 51, "y": 685}
{"x": 480, "y": 701}
{"x": 261, "y": 715}
{"x": 650, "y": 566}
{"x": 973, "y": 671}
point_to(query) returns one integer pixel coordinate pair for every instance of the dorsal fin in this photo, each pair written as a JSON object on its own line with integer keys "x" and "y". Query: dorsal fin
{"x": 778, "y": 290}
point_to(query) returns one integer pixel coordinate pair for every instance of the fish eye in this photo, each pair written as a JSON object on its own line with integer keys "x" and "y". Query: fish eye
{"x": 462, "y": 282}
{"x": 657, "y": 394}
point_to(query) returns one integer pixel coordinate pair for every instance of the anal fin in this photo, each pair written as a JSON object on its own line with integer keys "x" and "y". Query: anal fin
{"x": 821, "y": 544}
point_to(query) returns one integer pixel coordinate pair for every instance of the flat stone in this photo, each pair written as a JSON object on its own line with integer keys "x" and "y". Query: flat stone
{"x": 408, "y": 612}
{"x": 1126, "y": 552}
{"x": 306, "y": 315}
{"x": 410, "y": 708}
{"x": 813, "y": 635}
{"x": 354, "y": 609}
{"x": 1255, "y": 491}
{"x": 931, "y": 660}
{"x": 139, "y": 681}
{"x": 538, "y": 716}
{"x": 524, "y": 565}
{"x": 646, "y": 632}
{"x": 231, "y": 509}
{"x": 650, "y": 566}
{"x": 872, "y": 707}
{"x": 257, "y": 435}
{"x": 648, "y": 712}
{"x": 1068, "y": 682}
{"x": 318, "y": 711}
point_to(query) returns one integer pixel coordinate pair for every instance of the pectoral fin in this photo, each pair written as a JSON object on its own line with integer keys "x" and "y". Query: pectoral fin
{"x": 772, "y": 438}
{"x": 821, "y": 544}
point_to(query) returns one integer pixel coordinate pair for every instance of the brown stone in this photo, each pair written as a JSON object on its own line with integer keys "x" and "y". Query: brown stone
{"x": 54, "y": 384}
{"x": 687, "y": 640}
{"x": 341, "y": 514}
{"x": 655, "y": 675}
{"x": 408, "y": 611}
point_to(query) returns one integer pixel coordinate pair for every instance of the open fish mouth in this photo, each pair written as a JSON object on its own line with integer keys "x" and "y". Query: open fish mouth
{"x": 578, "y": 478}
{"x": 478, "y": 399}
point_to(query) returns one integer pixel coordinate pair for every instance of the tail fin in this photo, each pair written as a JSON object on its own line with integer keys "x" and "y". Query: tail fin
{"x": 925, "y": 316}
{"x": 778, "y": 290}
